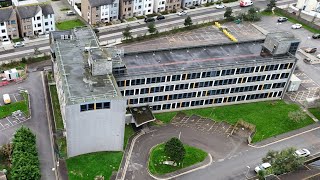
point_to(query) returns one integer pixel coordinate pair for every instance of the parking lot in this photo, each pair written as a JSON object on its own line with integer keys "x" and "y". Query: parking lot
{"x": 307, "y": 89}
{"x": 15, "y": 118}
{"x": 203, "y": 36}
{"x": 15, "y": 97}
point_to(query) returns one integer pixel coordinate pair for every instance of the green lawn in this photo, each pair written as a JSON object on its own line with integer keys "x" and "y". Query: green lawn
{"x": 315, "y": 112}
{"x": 88, "y": 166}
{"x": 165, "y": 117}
{"x": 157, "y": 156}
{"x": 70, "y": 24}
{"x": 6, "y": 110}
{"x": 56, "y": 107}
{"x": 270, "y": 117}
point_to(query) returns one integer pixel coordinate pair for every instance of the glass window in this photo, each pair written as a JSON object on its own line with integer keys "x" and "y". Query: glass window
{"x": 106, "y": 105}
{"x": 98, "y": 105}
{"x": 90, "y": 106}
{"x": 83, "y": 107}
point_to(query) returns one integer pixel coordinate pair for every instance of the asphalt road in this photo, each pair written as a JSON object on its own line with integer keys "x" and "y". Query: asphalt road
{"x": 206, "y": 13}
{"x": 38, "y": 123}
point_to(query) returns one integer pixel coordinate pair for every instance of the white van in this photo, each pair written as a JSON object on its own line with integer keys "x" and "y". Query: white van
{"x": 245, "y": 3}
{"x": 6, "y": 99}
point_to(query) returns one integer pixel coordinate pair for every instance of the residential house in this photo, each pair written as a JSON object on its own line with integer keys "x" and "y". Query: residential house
{"x": 126, "y": 9}
{"x": 172, "y": 5}
{"x": 35, "y": 20}
{"x": 142, "y": 7}
{"x": 309, "y": 5}
{"x": 95, "y": 11}
{"x": 8, "y": 24}
{"x": 159, "y": 5}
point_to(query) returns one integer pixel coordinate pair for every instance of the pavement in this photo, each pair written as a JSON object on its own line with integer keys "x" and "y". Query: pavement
{"x": 38, "y": 122}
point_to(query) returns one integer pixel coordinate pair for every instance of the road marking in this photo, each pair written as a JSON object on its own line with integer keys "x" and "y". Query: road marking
{"x": 9, "y": 121}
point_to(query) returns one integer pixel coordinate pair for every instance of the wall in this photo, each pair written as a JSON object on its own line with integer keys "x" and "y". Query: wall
{"x": 51, "y": 23}
{"x": 3, "y": 35}
{"x": 36, "y": 22}
{"x": 95, "y": 130}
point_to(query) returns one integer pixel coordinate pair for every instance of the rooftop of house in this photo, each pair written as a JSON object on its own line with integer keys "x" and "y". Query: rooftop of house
{"x": 31, "y": 10}
{"x": 5, "y": 13}
{"x": 98, "y": 3}
{"x": 72, "y": 60}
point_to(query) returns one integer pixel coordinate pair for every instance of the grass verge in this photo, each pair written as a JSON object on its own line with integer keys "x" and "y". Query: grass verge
{"x": 56, "y": 107}
{"x": 315, "y": 112}
{"x": 70, "y": 24}
{"x": 6, "y": 110}
{"x": 157, "y": 156}
{"x": 88, "y": 166}
{"x": 270, "y": 117}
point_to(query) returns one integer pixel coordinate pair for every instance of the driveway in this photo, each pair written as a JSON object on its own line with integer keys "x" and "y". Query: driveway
{"x": 198, "y": 132}
{"x": 38, "y": 123}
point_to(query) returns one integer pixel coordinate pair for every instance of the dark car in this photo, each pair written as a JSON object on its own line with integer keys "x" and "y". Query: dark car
{"x": 282, "y": 19}
{"x": 316, "y": 36}
{"x": 149, "y": 19}
{"x": 160, "y": 17}
{"x": 310, "y": 50}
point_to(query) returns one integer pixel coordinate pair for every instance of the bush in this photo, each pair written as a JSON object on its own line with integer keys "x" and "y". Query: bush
{"x": 152, "y": 15}
{"x": 173, "y": 11}
{"x": 175, "y": 150}
{"x": 140, "y": 17}
{"x": 192, "y": 7}
{"x": 164, "y": 12}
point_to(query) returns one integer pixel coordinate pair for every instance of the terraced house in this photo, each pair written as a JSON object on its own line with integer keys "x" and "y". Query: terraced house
{"x": 99, "y": 11}
{"x": 101, "y": 89}
{"x": 8, "y": 24}
{"x": 35, "y": 20}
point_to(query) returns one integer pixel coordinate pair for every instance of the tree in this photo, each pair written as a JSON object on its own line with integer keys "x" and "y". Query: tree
{"x": 175, "y": 150}
{"x": 188, "y": 22}
{"x": 297, "y": 115}
{"x": 127, "y": 33}
{"x": 271, "y": 5}
{"x": 6, "y": 151}
{"x": 253, "y": 14}
{"x": 152, "y": 28}
{"x": 228, "y": 14}
{"x": 283, "y": 161}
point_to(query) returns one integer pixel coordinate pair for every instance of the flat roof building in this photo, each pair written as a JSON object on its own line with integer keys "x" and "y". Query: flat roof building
{"x": 163, "y": 79}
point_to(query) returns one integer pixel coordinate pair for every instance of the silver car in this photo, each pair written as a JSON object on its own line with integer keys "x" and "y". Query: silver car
{"x": 18, "y": 44}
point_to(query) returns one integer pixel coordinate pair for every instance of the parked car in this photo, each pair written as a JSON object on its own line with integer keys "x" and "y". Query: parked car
{"x": 310, "y": 50}
{"x": 18, "y": 44}
{"x": 316, "y": 36}
{"x": 282, "y": 19}
{"x": 262, "y": 167}
{"x": 71, "y": 13}
{"x": 220, "y": 6}
{"x": 149, "y": 19}
{"x": 6, "y": 99}
{"x": 302, "y": 152}
{"x": 182, "y": 13}
{"x": 245, "y": 3}
{"x": 318, "y": 56}
{"x": 160, "y": 17}
{"x": 296, "y": 26}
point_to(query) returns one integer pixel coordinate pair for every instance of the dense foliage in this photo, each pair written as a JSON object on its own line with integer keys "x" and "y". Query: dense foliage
{"x": 175, "y": 150}
{"x": 25, "y": 162}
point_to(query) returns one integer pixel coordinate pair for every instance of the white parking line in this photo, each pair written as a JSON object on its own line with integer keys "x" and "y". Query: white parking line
{"x": 9, "y": 121}
{"x": 15, "y": 97}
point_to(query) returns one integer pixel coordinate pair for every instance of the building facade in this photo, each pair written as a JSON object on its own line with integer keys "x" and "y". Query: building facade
{"x": 172, "y": 5}
{"x": 102, "y": 89}
{"x": 102, "y": 11}
{"x": 126, "y": 9}
{"x": 309, "y": 5}
{"x": 8, "y": 24}
{"x": 35, "y": 20}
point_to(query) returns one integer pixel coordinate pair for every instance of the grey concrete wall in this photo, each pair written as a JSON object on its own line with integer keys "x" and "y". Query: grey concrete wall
{"x": 95, "y": 130}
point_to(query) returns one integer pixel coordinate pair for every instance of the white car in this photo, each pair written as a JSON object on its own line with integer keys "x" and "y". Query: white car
{"x": 182, "y": 13}
{"x": 262, "y": 167}
{"x": 318, "y": 56}
{"x": 302, "y": 152}
{"x": 296, "y": 26}
{"x": 18, "y": 44}
{"x": 220, "y": 6}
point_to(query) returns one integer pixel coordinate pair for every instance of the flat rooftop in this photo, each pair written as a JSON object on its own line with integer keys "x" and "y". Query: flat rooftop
{"x": 209, "y": 35}
{"x": 77, "y": 82}
{"x": 193, "y": 58}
